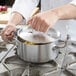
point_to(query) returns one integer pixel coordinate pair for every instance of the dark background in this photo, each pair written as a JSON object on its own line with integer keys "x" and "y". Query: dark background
{"x": 7, "y": 2}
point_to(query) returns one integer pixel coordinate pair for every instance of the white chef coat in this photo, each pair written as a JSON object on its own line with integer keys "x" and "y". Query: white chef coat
{"x": 25, "y": 7}
{"x": 73, "y": 2}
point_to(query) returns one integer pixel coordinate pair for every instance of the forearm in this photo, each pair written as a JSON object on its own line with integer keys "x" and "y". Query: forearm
{"x": 15, "y": 19}
{"x": 66, "y": 12}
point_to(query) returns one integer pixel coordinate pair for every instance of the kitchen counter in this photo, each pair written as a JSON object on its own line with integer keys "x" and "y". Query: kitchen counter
{"x": 4, "y": 16}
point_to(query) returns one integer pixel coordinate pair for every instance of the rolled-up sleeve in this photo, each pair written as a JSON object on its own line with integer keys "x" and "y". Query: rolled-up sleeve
{"x": 73, "y": 2}
{"x": 25, "y": 7}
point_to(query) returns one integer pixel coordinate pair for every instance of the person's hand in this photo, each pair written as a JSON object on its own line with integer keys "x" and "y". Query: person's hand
{"x": 8, "y": 33}
{"x": 43, "y": 21}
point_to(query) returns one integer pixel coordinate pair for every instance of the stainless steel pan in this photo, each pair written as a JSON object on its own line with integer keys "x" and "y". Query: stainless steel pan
{"x": 32, "y": 37}
{"x": 37, "y": 47}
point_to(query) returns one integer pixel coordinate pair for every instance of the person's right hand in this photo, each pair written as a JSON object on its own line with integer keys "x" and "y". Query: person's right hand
{"x": 8, "y": 33}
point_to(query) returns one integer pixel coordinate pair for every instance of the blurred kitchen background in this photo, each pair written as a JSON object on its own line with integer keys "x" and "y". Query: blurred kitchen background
{"x": 7, "y": 2}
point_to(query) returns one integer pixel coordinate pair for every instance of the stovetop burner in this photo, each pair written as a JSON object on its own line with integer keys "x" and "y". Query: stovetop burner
{"x": 63, "y": 65}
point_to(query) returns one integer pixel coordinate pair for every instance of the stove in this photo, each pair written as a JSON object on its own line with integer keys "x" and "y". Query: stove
{"x": 63, "y": 65}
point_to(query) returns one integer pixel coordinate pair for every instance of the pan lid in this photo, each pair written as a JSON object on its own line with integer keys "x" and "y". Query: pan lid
{"x": 31, "y": 36}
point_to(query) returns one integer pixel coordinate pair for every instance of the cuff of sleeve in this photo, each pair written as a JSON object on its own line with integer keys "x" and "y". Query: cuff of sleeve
{"x": 26, "y": 15}
{"x": 73, "y": 2}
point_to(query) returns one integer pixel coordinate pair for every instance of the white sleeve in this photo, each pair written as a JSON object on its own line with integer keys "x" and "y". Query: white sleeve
{"x": 25, "y": 7}
{"x": 73, "y": 2}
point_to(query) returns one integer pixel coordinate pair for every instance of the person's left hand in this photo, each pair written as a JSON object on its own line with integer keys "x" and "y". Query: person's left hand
{"x": 43, "y": 21}
{"x": 7, "y": 33}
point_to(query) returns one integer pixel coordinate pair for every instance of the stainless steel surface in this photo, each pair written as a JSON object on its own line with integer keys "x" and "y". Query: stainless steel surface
{"x": 18, "y": 67}
{"x": 3, "y": 70}
{"x": 35, "y": 53}
{"x": 64, "y": 63}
